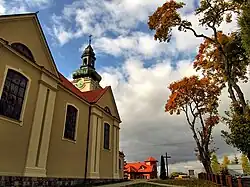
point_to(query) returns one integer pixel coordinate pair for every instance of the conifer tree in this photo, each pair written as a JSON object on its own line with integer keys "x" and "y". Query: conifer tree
{"x": 163, "y": 169}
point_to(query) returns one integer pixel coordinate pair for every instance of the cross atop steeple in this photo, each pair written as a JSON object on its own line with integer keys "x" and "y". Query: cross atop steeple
{"x": 90, "y": 39}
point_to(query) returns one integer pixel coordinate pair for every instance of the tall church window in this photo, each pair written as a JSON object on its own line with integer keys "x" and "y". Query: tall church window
{"x": 70, "y": 123}
{"x": 106, "y": 135}
{"x": 13, "y": 94}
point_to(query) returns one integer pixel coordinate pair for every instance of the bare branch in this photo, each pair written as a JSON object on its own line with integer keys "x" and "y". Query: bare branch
{"x": 197, "y": 35}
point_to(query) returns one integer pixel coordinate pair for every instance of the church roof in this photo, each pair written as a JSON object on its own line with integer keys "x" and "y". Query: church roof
{"x": 88, "y": 51}
{"x": 151, "y": 159}
{"x": 90, "y": 96}
{"x": 94, "y": 95}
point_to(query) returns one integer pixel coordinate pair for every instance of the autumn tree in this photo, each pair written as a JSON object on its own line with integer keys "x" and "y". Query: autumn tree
{"x": 215, "y": 164}
{"x": 211, "y": 15}
{"x": 221, "y": 57}
{"x": 197, "y": 98}
{"x": 245, "y": 164}
{"x": 225, "y": 162}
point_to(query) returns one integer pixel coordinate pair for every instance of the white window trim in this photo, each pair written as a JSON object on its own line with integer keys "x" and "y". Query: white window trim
{"x": 110, "y": 129}
{"x": 77, "y": 119}
{"x": 20, "y": 121}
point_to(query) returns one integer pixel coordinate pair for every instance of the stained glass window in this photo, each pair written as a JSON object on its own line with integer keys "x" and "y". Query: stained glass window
{"x": 12, "y": 97}
{"x": 70, "y": 124}
{"x": 106, "y": 135}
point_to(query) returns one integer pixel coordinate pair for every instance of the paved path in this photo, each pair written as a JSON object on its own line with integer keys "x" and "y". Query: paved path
{"x": 160, "y": 184}
{"x": 123, "y": 184}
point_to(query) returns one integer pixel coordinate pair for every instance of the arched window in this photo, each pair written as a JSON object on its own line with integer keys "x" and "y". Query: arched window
{"x": 106, "y": 135}
{"x": 11, "y": 102}
{"x": 107, "y": 110}
{"x": 24, "y": 50}
{"x": 70, "y": 123}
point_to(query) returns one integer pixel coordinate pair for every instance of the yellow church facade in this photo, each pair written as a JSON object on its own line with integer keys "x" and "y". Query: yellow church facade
{"x": 49, "y": 126}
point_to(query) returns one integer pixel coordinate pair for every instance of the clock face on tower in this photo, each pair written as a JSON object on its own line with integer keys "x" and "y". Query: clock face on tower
{"x": 80, "y": 84}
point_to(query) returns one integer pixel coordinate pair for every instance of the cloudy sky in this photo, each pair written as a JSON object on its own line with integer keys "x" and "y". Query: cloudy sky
{"x": 138, "y": 68}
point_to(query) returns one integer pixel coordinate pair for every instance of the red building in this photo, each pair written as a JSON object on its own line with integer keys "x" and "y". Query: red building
{"x": 141, "y": 170}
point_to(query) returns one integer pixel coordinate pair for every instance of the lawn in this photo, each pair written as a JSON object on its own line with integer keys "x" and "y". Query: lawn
{"x": 142, "y": 185}
{"x": 187, "y": 183}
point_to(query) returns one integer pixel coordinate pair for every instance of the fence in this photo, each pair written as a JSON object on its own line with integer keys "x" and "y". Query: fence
{"x": 225, "y": 180}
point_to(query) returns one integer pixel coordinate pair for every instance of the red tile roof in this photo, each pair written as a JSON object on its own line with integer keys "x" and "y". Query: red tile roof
{"x": 90, "y": 96}
{"x": 94, "y": 95}
{"x": 138, "y": 167}
{"x": 151, "y": 159}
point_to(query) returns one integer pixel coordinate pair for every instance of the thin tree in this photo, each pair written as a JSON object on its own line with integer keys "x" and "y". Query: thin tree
{"x": 211, "y": 15}
{"x": 221, "y": 56}
{"x": 198, "y": 100}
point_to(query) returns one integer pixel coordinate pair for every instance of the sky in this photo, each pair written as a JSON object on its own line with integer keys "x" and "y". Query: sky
{"x": 138, "y": 68}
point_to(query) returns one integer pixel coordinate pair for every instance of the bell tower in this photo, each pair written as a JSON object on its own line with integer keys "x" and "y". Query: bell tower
{"x": 86, "y": 78}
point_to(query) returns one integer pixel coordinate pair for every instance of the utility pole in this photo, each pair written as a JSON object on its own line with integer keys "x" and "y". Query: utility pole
{"x": 167, "y": 157}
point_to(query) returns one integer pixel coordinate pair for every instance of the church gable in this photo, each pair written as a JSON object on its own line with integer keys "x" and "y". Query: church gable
{"x": 24, "y": 34}
{"x": 107, "y": 102}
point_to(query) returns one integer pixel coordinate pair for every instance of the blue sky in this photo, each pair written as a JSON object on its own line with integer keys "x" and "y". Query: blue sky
{"x": 67, "y": 53}
{"x": 138, "y": 68}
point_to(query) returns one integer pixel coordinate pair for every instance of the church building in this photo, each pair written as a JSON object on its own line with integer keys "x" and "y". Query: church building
{"x": 49, "y": 126}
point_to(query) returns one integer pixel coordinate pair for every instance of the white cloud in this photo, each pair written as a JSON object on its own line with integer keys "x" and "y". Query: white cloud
{"x": 38, "y": 3}
{"x": 186, "y": 40}
{"x": 141, "y": 94}
{"x": 2, "y": 7}
{"x": 137, "y": 44}
{"x": 22, "y": 6}
{"x": 103, "y": 17}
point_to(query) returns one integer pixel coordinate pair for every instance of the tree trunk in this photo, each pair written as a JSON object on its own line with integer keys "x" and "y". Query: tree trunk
{"x": 207, "y": 166}
{"x": 205, "y": 160}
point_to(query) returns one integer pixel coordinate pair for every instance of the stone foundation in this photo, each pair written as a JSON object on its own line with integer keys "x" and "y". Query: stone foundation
{"x": 13, "y": 181}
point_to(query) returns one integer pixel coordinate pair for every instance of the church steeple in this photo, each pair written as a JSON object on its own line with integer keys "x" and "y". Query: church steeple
{"x": 86, "y": 78}
{"x": 88, "y": 56}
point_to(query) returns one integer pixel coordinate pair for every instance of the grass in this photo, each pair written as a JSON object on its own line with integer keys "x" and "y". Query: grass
{"x": 142, "y": 185}
{"x": 187, "y": 183}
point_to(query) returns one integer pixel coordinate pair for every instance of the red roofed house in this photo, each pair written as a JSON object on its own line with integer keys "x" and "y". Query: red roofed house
{"x": 141, "y": 170}
{"x": 49, "y": 126}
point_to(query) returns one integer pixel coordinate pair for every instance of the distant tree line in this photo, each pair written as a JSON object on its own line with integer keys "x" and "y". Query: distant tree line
{"x": 218, "y": 167}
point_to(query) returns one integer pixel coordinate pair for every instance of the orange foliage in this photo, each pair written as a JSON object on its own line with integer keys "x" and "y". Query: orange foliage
{"x": 212, "y": 58}
{"x": 164, "y": 18}
{"x": 201, "y": 93}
